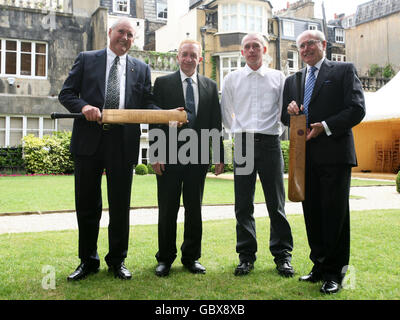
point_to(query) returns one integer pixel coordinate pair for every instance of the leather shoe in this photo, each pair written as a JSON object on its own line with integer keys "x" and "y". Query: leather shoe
{"x": 330, "y": 287}
{"x": 285, "y": 268}
{"x": 195, "y": 267}
{"x": 162, "y": 269}
{"x": 83, "y": 270}
{"x": 244, "y": 268}
{"x": 120, "y": 271}
{"x": 311, "y": 277}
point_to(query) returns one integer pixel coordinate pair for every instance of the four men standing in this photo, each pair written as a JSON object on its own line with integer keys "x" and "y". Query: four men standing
{"x": 255, "y": 99}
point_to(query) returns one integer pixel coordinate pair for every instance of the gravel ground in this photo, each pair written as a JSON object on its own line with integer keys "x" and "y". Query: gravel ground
{"x": 383, "y": 197}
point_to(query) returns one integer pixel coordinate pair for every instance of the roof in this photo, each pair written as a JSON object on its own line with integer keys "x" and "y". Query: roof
{"x": 383, "y": 104}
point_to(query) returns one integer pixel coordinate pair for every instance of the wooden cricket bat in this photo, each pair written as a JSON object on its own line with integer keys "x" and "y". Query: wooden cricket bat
{"x": 132, "y": 116}
{"x": 297, "y": 158}
{"x": 297, "y": 150}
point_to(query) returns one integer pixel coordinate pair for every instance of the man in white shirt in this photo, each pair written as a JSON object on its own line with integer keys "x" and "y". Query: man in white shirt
{"x": 251, "y": 104}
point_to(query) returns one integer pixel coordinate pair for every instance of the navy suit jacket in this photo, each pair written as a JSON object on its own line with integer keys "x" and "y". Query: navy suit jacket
{"x": 85, "y": 84}
{"x": 338, "y": 100}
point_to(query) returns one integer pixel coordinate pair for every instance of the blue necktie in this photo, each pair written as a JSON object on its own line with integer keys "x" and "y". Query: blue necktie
{"x": 309, "y": 90}
{"x": 112, "y": 94}
{"x": 190, "y": 106}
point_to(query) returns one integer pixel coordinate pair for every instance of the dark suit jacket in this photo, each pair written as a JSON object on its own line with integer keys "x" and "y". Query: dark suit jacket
{"x": 338, "y": 100}
{"x": 85, "y": 84}
{"x": 168, "y": 94}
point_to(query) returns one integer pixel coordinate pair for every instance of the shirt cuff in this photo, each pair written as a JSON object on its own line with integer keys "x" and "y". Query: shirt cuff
{"x": 327, "y": 130}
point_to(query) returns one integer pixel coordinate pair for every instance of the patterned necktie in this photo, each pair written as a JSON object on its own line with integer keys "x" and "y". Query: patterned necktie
{"x": 190, "y": 106}
{"x": 309, "y": 90}
{"x": 112, "y": 95}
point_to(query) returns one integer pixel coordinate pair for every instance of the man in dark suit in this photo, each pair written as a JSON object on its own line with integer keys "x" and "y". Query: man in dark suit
{"x": 107, "y": 78}
{"x": 199, "y": 95}
{"x": 331, "y": 96}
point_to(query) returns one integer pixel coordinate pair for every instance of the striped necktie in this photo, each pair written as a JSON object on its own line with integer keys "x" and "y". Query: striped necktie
{"x": 309, "y": 87}
{"x": 112, "y": 94}
{"x": 190, "y": 106}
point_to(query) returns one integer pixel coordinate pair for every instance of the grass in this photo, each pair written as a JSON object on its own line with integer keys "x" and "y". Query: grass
{"x": 375, "y": 272}
{"x": 52, "y": 193}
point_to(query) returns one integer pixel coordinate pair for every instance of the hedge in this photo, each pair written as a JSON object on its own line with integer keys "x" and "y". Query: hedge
{"x": 398, "y": 182}
{"x": 49, "y": 154}
{"x": 11, "y": 159}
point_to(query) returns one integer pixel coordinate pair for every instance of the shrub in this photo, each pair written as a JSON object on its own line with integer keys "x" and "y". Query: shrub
{"x": 388, "y": 71}
{"x": 398, "y": 182}
{"x": 285, "y": 152}
{"x": 11, "y": 159}
{"x": 49, "y": 154}
{"x": 150, "y": 169}
{"x": 141, "y": 169}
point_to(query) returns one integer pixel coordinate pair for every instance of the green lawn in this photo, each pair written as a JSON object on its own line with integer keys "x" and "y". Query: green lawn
{"x": 52, "y": 193}
{"x": 375, "y": 272}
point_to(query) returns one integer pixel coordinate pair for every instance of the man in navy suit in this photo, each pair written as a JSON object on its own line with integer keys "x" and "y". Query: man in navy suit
{"x": 90, "y": 87}
{"x": 331, "y": 96}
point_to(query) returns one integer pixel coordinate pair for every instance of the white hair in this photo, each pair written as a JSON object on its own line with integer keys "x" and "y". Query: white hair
{"x": 314, "y": 33}
{"x": 258, "y": 36}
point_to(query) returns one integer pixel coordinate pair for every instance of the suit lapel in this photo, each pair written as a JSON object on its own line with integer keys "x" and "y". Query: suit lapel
{"x": 131, "y": 77}
{"x": 323, "y": 73}
{"x": 101, "y": 64}
{"x": 202, "y": 93}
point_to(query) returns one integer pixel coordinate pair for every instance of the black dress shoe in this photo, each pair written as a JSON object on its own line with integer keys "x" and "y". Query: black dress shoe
{"x": 244, "y": 268}
{"x": 330, "y": 287}
{"x": 162, "y": 269}
{"x": 311, "y": 277}
{"x": 285, "y": 268}
{"x": 120, "y": 271}
{"x": 195, "y": 267}
{"x": 83, "y": 270}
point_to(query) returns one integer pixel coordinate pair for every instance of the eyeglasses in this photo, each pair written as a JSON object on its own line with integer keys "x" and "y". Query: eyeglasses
{"x": 309, "y": 43}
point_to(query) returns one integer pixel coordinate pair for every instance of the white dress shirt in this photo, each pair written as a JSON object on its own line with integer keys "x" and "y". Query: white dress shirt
{"x": 121, "y": 72}
{"x": 194, "y": 85}
{"x": 252, "y": 100}
{"x": 318, "y": 66}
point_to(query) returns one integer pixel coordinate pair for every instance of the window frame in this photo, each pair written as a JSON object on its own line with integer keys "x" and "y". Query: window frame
{"x": 116, "y": 6}
{"x": 232, "y": 13}
{"x": 19, "y": 53}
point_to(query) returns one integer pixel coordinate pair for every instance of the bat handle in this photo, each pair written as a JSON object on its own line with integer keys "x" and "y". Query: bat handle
{"x": 57, "y": 115}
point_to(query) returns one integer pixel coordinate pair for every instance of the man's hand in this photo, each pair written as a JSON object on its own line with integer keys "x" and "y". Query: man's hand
{"x": 158, "y": 168}
{"x": 175, "y": 124}
{"x": 293, "y": 109}
{"x": 91, "y": 113}
{"x": 219, "y": 168}
{"x": 316, "y": 129}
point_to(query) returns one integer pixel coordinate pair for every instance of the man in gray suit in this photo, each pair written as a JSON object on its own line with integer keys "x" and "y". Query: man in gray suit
{"x": 199, "y": 95}
{"x": 107, "y": 78}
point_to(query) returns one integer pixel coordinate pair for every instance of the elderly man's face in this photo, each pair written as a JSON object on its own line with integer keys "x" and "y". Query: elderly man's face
{"x": 311, "y": 49}
{"x": 121, "y": 38}
{"x": 189, "y": 57}
{"x": 253, "y": 51}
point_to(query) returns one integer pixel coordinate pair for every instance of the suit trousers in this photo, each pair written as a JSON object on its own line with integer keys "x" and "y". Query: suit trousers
{"x": 188, "y": 181}
{"x": 327, "y": 218}
{"x": 268, "y": 164}
{"x": 88, "y": 198}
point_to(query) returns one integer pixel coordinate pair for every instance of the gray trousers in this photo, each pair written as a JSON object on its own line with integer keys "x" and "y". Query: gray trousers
{"x": 268, "y": 163}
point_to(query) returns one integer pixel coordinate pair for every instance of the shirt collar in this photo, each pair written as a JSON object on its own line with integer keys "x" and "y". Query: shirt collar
{"x": 184, "y": 76}
{"x": 260, "y": 71}
{"x": 112, "y": 55}
{"x": 317, "y": 65}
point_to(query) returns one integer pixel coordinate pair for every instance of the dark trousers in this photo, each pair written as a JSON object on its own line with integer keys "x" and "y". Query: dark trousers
{"x": 188, "y": 181}
{"x": 88, "y": 199}
{"x": 327, "y": 218}
{"x": 268, "y": 163}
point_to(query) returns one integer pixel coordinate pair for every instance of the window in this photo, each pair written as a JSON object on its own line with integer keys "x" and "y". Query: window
{"x": 121, "y": 6}
{"x": 338, "y": 57}
{"x": 242, "y": 17}
{"x": 162, "y": 10}
{"x": 14, "y": 128}
{"x": 230, "y": 63}
{"x": 288, "y": 28}
{"x": 23, "y": 58}
{"x": 339, "y": 35}
{"x": 312, "y": 27}
{"x": 292, "y": 59}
